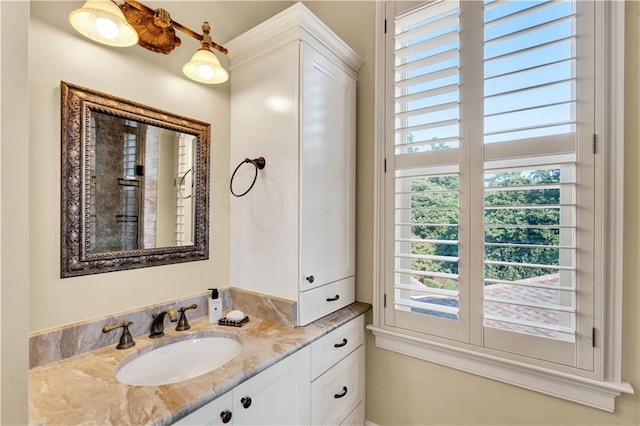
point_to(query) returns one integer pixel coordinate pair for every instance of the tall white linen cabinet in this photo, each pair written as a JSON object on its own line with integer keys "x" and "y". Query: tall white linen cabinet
{"x": 293, "y": 102}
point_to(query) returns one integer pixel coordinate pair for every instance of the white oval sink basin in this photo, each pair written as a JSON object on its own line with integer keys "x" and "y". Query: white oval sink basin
{"x": 179, "y": 361}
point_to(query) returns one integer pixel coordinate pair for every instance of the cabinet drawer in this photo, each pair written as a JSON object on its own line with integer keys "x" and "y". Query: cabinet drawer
{"x": 321, "y": 301}
{"x": 356, "y": 418}
{"x": 336, "y": 393}
{"x": 330, "y": 349}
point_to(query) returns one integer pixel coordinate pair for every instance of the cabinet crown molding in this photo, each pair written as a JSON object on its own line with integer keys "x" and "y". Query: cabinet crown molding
{"x": 297, "y": 23}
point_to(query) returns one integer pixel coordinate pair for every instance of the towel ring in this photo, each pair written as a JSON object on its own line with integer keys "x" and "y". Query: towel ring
{"x": 181, "y": 183}
{"x": 258, "y": 163}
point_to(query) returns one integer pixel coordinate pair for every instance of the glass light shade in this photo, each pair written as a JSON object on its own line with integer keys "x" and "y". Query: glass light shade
{"x": 204, "y": 67}
{"x": 103, "y": 21}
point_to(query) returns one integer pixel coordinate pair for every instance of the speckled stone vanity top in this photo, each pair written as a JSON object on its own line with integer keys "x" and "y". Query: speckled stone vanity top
{"x": 83, "y": 389}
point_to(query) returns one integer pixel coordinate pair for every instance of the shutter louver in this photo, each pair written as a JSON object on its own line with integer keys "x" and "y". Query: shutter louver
{"x": 426, "y": 246}
{"x": 530, "y": 66}
{"x": 427, "y": 79}
{"x": 530, "y": 243}
{"x": 530, "y": 217}
{"x": 427, "y": 133}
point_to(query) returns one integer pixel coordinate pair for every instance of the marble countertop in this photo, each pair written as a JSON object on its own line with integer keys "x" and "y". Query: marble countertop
{"x": 83, "y": 389}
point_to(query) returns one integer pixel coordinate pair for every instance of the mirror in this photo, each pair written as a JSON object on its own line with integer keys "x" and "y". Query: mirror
{"x": 135, "y": 185}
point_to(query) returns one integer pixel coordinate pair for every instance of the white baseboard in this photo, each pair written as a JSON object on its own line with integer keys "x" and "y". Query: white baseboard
{"x": 369, "y": 423}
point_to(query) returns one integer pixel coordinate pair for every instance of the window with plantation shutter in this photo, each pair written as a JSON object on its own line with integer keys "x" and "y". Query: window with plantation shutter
{"x": 492, "y": 191}
{"x": 512, "y": 136}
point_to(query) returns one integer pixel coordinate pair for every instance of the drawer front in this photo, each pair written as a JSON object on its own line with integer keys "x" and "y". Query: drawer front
{"x": 356, "y": 418}
{"x": 336, "y": 393}
{"x": 321, "y": 301}
{"x": 333, "y": 347}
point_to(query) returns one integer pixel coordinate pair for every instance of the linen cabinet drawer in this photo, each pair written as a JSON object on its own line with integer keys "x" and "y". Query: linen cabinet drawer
{"x": 321, "y": 301}
{"x": 356, "y": 418}
{"x": 333, "y": 347}
{"x": 336, "y": 393}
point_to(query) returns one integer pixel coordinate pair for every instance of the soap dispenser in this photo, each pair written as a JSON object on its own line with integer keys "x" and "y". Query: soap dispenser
{"x": 215, "y": 307}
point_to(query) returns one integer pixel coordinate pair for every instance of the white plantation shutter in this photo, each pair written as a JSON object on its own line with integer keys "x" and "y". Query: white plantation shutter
{"x": 538, "y": 126}
{"x": 426, "y": 181}
{"x": 426, "y": 284}
{"x": 537, "y": 299}
{"x": 530, "y": 62}
{"x": 426, "y": 81}
{"x": 490, "y": 175}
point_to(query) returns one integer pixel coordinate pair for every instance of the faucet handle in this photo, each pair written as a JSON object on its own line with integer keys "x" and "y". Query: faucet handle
{"x": 126, "y": 341}
{"x": 183, "y": 324}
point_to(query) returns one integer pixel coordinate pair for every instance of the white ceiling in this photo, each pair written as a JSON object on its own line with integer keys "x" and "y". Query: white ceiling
{"x": 228, "y": 19}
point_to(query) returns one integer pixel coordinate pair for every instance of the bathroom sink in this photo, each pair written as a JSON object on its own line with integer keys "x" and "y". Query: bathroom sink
{"x": 178, "y": 361}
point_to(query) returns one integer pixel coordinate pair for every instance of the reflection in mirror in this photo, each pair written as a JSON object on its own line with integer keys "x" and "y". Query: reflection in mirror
{"x": 141, "y": 185}
{"x": 135, "y": 189}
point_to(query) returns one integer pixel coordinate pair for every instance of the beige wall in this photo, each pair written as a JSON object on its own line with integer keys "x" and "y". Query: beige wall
{"x": 56, "y": 54}
{"x": 400, "y": 390}
{"x": 14, "y": 229}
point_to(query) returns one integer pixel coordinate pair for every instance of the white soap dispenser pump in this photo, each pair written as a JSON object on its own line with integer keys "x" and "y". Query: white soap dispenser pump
{"x": 215, "y": 307}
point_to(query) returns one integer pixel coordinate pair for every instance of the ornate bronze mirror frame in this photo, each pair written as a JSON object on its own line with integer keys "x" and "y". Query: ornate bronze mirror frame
{"x": 135, "y": 185}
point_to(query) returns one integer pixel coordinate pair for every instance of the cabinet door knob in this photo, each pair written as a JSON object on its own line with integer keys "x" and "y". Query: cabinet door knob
{"x": 246, "y": 402}
{"x": 333, "y": 299}
{"x": 340, "y": 395}
{"x": 339, "y": 345}
{"x": 310, "y": 279}
{"x": 225, "y": 416}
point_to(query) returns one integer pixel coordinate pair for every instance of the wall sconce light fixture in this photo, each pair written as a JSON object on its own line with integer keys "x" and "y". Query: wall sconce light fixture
{"x": 131, "y": 22}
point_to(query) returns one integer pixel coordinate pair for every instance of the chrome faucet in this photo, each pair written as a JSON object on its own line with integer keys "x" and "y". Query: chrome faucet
{"x": 157, "y": 326}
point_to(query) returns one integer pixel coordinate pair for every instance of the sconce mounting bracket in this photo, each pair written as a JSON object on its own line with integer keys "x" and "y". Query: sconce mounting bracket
{"x": 153, "y": 32}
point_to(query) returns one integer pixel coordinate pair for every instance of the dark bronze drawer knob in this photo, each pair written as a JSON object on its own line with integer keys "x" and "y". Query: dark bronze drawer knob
{"x": 246, "y": 402}
{"x": 225, "y": 416}
{"x": 310, "y": 279}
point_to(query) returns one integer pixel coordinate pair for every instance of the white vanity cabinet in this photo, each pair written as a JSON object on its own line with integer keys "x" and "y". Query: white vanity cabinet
{"x": 293, "y": 88}
{"x": 321, "y": 384}
{"x": 279, "y": 395}
{"x": 338, "y": 376}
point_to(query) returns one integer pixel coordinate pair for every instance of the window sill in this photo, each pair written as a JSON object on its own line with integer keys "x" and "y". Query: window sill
{"x": 594, "y": 393}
